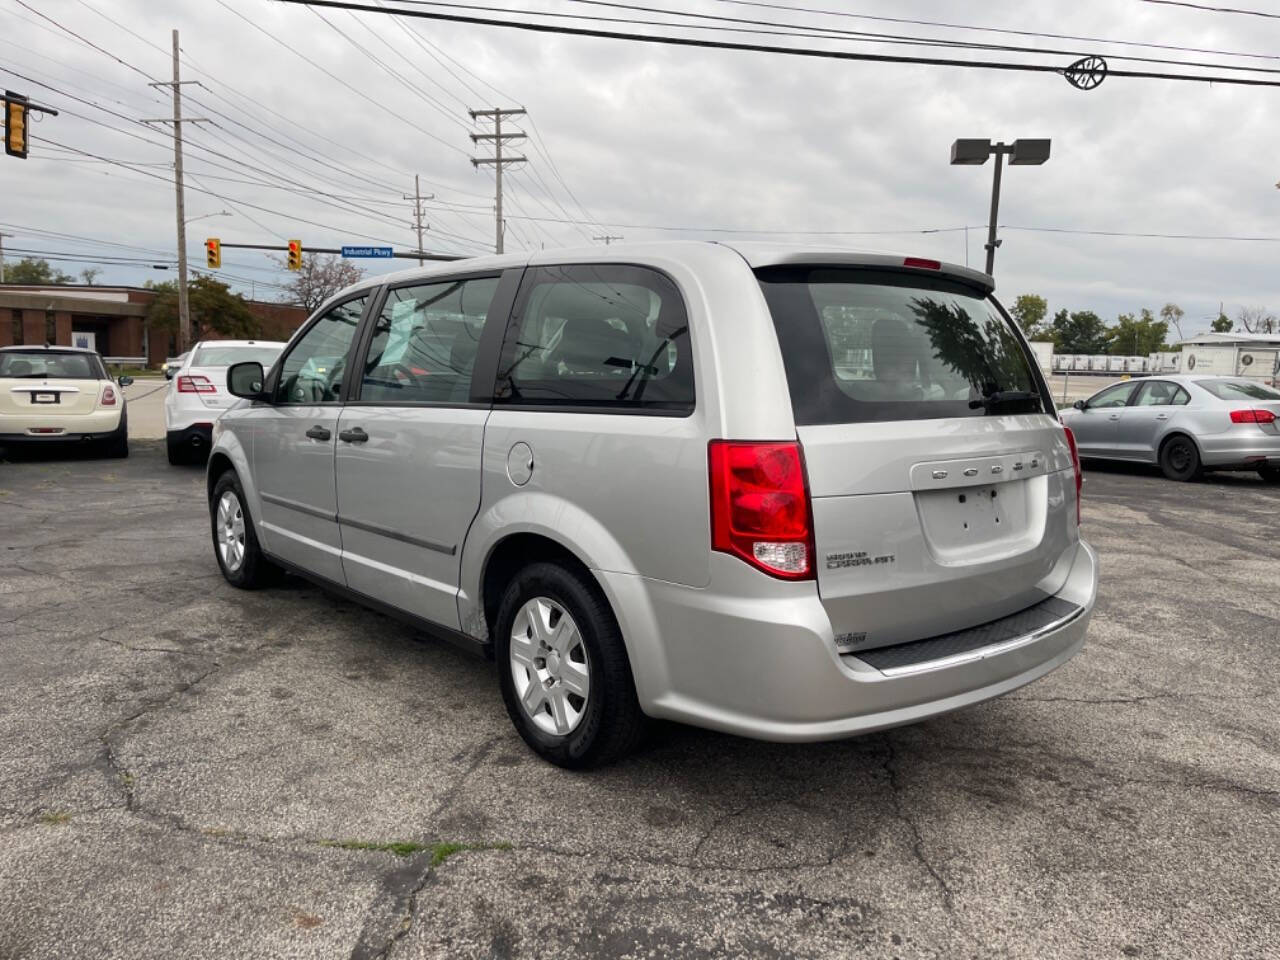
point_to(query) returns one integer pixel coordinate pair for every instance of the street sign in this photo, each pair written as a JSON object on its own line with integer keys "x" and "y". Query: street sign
{"x": 376, "y": 253}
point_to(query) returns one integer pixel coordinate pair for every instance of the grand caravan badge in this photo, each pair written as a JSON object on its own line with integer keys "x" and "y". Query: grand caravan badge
{"x": 857, "y": 558}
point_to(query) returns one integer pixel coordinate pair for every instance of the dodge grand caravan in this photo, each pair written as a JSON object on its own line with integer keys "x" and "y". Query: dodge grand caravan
{"x": 790, "y": 494}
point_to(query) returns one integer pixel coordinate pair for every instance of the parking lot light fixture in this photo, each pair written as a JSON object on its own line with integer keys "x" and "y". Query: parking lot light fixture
{"x": 974, "y": 153}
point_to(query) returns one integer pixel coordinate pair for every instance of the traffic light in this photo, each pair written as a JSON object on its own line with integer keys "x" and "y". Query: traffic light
{"x": 295, "y": 254}
{"x": 15, "y": 125}
{"x": 213, "y": 253}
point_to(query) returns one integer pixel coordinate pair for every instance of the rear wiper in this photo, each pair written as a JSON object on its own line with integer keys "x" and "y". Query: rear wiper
{"x": 1003, "y": 396}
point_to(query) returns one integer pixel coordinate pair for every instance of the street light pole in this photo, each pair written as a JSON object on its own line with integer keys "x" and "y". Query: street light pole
{"x": 976, "y": 152}
{"x": 992, "y": 242}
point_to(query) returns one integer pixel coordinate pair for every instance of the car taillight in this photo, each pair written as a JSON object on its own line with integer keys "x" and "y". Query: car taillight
{"x": 195, "y": 383}
{"x": 108, "y": 396}
{"x": 760, "y": 506}
{"x": 1075, "y": 462}
{"x": 1252, "y": 416}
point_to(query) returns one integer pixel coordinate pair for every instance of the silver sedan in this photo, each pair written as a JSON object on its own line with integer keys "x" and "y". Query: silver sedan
{"x": 1185, "y": 424}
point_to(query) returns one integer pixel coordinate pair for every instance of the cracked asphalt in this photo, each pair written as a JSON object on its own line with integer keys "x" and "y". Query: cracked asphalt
{"x": 188, "y": 770}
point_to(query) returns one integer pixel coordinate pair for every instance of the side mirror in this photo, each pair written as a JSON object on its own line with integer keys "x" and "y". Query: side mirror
{"x": 246, "y": 380}
{"x": 1081, "y": 404}
{"x": 125, "y": 381}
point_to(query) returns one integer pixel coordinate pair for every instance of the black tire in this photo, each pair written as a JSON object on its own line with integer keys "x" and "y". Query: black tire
{"x": 177, "y": 452}
{"x": 1179, "y": 458}
{"x": 254, "y": 569}
{"x": 118, "y": 445}
{"x": 1269, "y": 474}
{"x": 611, "y": 724}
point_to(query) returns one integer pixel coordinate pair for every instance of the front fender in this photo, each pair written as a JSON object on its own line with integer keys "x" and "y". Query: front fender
{"x": 229, "y": 448}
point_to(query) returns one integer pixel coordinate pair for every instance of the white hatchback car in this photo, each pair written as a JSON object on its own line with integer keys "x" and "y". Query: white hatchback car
{"x": 198, "y": 394}
{"x": 58, "y": 395}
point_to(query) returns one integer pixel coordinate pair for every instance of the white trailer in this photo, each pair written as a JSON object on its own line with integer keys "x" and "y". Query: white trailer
{"x": 1098, "y": 363}
{"x": 1115, "y": 364}
{"x": 1135, "y": 364}
{"x": 1165, "y": 362}
{"x": 1043, "y": 350}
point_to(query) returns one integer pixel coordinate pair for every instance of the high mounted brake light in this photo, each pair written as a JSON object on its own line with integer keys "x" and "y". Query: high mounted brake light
{"x": 922, "y": 264}
{"x": 760, "y": 509}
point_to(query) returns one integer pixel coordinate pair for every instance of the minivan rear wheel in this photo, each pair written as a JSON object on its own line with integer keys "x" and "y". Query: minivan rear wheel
{"x": 563, "y": 669}
{"x": 1179, "y": 458}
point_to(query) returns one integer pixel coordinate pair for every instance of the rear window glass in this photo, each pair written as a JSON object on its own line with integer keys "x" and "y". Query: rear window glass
{"x": 1239, "y": 390}
{"x": 20, "y": 364}
{"x": 867, "y": 345}
{"x": 216, "y": 356}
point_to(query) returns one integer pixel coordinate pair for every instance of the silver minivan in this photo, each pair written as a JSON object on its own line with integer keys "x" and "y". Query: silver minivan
{"x": 787, "y": 493}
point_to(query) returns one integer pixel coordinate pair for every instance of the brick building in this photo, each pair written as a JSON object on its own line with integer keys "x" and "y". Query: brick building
{"x": 111, "y": 320}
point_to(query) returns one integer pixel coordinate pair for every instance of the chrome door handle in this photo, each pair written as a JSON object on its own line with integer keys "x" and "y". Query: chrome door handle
{"x": 1114, "y": 416}
{"x": 354, "y": 435}
{"x": 1162, "y": 416}
{"x": 319, "y": 433}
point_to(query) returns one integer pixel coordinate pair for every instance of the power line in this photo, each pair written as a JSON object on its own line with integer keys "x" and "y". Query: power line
{"x": 1204, "y": 6}
{"x": 807, "y": 52}
{"x": 999, "y": 30}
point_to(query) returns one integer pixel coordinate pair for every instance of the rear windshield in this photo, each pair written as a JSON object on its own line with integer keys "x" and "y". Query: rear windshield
{"x": 1239, "y": 390}
{"x": 216, "y": 356}
{"x": 865, "y": 345}
{"x": 20, "y": 364}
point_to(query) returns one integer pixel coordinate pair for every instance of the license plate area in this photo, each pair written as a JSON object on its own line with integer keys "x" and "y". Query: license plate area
{"x": 44, "y": 398}
{"x": 981, "y": 522}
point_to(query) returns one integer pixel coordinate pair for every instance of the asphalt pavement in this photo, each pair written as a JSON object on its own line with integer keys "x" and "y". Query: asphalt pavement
{"x": 187, "y": 770}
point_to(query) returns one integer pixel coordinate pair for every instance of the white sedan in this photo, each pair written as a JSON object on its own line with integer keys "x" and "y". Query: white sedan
{"x": 61, "y": 395}
{"x": 197, "y": 394}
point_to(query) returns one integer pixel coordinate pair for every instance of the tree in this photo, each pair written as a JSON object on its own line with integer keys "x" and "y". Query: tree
{"x": 1137, "y": 337}
{"x": 1222, "y": 325}
{"x": 1172, "y": 315}
{"x": 89, "y": 274}
{"x": 1029, "y": 310}
{"x": 31, "y": 271}
{"x": 1257, "y": 320}
{"x": 213, "y": 307}
{"x": 1079, "y": 332}
{"x": 320, "y": 278}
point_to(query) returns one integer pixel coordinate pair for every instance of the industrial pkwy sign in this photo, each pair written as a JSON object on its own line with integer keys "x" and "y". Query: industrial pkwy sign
{"x": 376, "y": 253}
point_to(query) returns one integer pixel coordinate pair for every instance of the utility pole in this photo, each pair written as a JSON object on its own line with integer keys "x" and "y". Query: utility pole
{"x": 608, "y": 239}
{"x": 184, "y": 311}
{"x": 498, "y": 138}
{"x": 2, "y": 236}
{"x": 417, "y": 199}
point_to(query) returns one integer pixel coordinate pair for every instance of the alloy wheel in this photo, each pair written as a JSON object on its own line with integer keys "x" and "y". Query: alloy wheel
{"x": 549, "y": 666}
{"x": 230, "y": 528}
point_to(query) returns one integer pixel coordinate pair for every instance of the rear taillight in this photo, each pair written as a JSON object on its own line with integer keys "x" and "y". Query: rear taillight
{"x": 760, "y": 506}
{"x": 195, "y": 383}
{"x": 1075, "y": 462}
{"x": 108, "y": 396}
{"x": 1252, "y": 416}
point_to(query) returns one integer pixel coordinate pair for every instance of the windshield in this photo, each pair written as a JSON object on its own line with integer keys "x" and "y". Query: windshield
{"x": 1239, "y": 390}
{"x": 64, "y": 365}
{"x": 870, "y": 345}
{"x": 216, "y": 356}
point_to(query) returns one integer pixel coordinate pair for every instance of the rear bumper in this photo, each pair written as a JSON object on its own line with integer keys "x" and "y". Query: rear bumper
{"x": 1236, "y": 448}
{"x": 198, "y": 435}
{"x": 99, "y": 425}
{"x": 767, "y": 666}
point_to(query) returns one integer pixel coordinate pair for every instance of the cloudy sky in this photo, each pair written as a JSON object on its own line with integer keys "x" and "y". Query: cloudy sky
{"x": 321, "y": 118}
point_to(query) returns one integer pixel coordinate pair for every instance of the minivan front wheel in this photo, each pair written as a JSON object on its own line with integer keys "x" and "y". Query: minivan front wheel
{"x": 235, "y": 545}
{"x": 563, "y": 668}
{"x": 1179, "y": 458}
